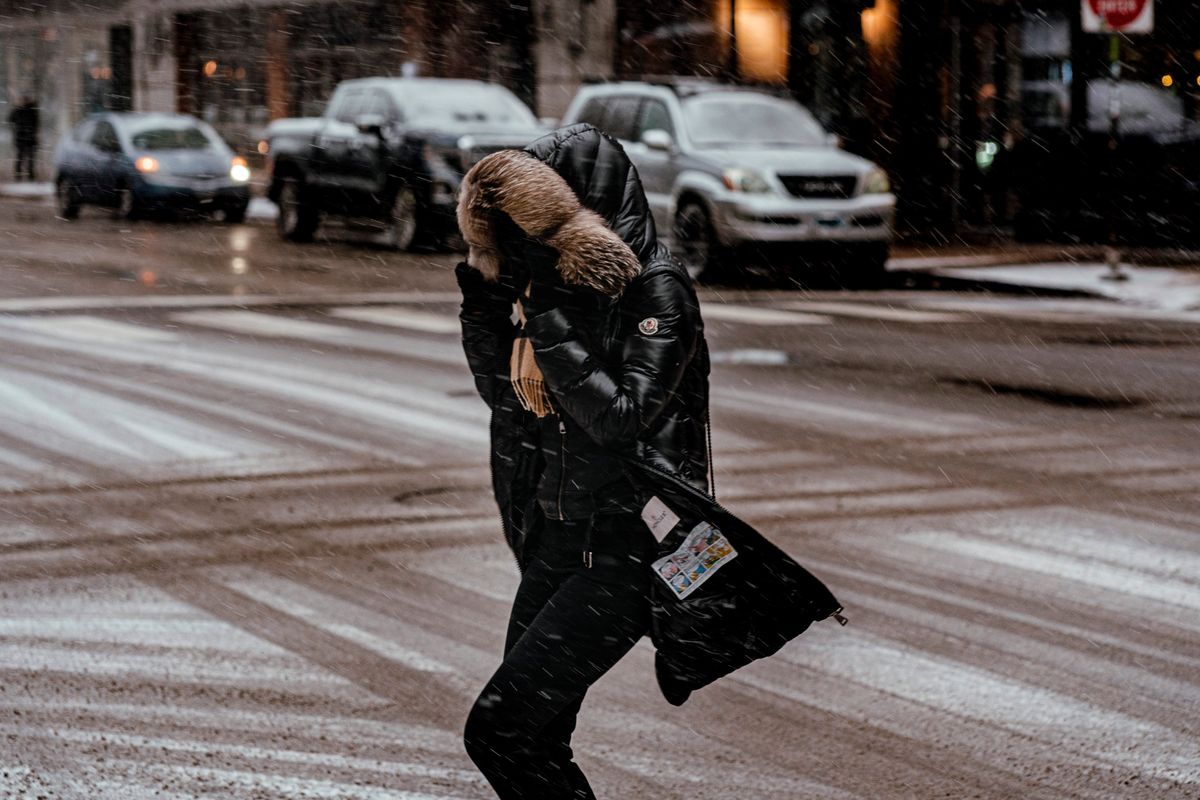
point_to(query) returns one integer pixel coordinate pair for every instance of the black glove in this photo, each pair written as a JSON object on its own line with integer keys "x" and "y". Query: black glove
{"x": 482, "y": 295}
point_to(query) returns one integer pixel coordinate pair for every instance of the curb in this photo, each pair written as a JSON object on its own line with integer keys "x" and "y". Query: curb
{"x": 931, "y": 279}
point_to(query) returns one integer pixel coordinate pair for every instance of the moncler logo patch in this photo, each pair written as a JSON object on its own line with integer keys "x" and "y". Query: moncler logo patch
{"x": 648, "y": 326}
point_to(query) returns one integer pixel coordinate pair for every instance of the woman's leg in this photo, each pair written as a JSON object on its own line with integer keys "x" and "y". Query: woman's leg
{"x": 519, "y": 730}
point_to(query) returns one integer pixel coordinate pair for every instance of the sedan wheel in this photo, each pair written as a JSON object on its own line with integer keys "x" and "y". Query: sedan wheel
{"x": 405, "y": 209}
{"x": 127, "y": 203}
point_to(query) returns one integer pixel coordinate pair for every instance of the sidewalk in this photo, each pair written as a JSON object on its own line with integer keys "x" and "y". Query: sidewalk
{"x": 1159, "y": 278}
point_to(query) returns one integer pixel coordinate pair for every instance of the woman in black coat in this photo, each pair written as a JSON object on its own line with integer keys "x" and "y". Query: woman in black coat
{"x": 605, "y": 359}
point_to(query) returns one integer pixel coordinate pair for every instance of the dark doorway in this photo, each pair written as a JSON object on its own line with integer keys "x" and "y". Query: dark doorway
{"x": 120, "y": 48}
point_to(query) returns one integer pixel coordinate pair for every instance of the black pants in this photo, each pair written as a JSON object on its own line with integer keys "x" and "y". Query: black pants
{"x": 570, "y": 624}
{"x": 25, "y": 156}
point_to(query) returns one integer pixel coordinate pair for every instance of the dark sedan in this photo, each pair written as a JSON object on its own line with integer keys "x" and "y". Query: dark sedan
{"x": 141, "y": 163}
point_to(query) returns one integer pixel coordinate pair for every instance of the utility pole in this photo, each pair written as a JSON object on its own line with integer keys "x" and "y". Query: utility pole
{"x": 1112, "y": 253}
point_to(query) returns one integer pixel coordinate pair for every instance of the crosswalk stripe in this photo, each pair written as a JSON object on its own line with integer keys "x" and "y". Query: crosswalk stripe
{"x": 38, "y": 413}
{"x": 401, "y": 317}
{"x": 85, "y": 328}
{"x": 966, "y": 691}
{"x": 257, "y": 323}
{"x": 387, "y": 648}
{"x": 862, "y": 422}
{"x": 257, "y": 753}
{"x": 758, "y": 315}
{"x": 1106, "y": 576}
{"x": 878, "y": 312}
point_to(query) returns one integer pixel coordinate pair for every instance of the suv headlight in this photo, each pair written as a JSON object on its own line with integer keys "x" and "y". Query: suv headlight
{"x": 745, "y": 180}
{"x": 876, "y": 182}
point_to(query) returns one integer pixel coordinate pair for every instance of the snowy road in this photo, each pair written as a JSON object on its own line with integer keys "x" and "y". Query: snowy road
{"x": 248, "y": 551}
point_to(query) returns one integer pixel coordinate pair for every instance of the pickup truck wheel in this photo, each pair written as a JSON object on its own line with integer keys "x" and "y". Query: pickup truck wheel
{"x": 297, "y": 219}
{"x": 403, "y": 222}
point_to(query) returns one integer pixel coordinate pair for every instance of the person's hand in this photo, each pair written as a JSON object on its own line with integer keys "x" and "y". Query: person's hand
{"x": 480, "y": 294}
{"x": 548, "y": 290}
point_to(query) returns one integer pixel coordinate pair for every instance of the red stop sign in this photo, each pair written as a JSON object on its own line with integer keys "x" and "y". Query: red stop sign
{"x": 1117, "y": 13}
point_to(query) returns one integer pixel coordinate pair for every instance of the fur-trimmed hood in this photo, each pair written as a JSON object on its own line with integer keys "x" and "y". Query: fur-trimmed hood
{"x": 574, "y": 190}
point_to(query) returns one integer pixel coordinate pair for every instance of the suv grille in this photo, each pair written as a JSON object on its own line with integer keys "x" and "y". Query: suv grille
{"x": 821, "y": 186}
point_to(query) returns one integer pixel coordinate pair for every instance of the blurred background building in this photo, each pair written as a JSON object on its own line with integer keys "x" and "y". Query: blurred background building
{"x": 932, "y": 89}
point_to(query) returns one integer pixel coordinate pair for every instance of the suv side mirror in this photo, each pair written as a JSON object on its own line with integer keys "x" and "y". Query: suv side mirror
{"x": 370, "y": 123}
{"x": 657, "y": 139}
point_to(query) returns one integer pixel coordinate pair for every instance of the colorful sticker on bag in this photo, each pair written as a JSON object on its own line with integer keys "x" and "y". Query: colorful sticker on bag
{"x": 703, "y": 551}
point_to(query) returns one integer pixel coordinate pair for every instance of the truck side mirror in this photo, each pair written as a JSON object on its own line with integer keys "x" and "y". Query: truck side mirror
{"x": 370, "y": 123}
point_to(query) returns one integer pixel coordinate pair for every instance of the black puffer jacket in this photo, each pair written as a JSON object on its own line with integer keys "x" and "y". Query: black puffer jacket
{"x": 631, "y": 378}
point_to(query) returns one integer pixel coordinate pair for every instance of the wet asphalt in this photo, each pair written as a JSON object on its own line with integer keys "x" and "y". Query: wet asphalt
{"x": 247, "y": 548}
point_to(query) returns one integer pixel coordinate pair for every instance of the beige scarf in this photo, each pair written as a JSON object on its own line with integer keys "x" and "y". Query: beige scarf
{"x": 527, "y": 379}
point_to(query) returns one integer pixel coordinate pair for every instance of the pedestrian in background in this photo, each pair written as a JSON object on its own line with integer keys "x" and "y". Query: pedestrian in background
{"x": 606, "y": 358}
{"x": 24, "y": 120}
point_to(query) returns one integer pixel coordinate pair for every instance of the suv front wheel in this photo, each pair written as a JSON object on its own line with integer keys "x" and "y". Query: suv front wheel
{"x": 695, "y": 241}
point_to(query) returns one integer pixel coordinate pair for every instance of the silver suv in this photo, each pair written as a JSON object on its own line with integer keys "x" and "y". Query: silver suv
{"x": 724, "y": 166}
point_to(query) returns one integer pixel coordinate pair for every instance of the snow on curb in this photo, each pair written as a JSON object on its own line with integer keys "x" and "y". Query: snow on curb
{"x": 1152, "y": 287}
{"x": 34, "y": 190}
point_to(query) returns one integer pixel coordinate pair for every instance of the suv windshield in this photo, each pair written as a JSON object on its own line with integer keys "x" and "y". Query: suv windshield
{"x": 490, "y": 109}
{"x": 187, "y": 138}
{"x": 751, "y": 120}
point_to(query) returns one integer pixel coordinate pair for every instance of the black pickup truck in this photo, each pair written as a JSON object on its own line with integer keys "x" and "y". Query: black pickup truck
{"x": 391, "y": 151}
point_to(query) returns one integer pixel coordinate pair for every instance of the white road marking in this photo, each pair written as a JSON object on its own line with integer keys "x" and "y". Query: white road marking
{"x": 377, "y": 644}
{"x": 978, "y": 694}
{"x": 1109, "y": 577}
{"x": 152, "y": 744}
{"x": 758, "y": 315}
{"x": 86, "y": 328}
{"x": 36, "y": 412}
{"x": 167, "y": 440}
{"x": 859, "y": 421}
{"x": 349, "y": 725}
{"x": 447, "y": 422}
{"x": 42, "y": 304}
{"x": 878, "y": 312}
{"x": 256, "y": 784}
{"x": 401, "y": 317}
{"x": 256, "y": 323}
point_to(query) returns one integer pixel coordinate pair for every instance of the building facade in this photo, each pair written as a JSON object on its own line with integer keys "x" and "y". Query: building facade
{"x": 240, "y": 64}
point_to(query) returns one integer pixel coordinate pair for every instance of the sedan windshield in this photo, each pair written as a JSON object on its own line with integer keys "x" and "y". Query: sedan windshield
{"x": 189, "y": 138}
{"x": 750, "y": 120}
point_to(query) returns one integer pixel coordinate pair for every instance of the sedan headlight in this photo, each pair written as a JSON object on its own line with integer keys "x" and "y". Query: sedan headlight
{"x": 876, "y": 182}
{"x": 239, "y": 170}
{"x": 146, "y": 164}
{"x": 745, "y": 180}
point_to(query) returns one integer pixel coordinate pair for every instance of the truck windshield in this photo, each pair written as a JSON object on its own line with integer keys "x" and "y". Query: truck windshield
{"x": 750, "y": 120}
{"x": 467, "y": 107}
